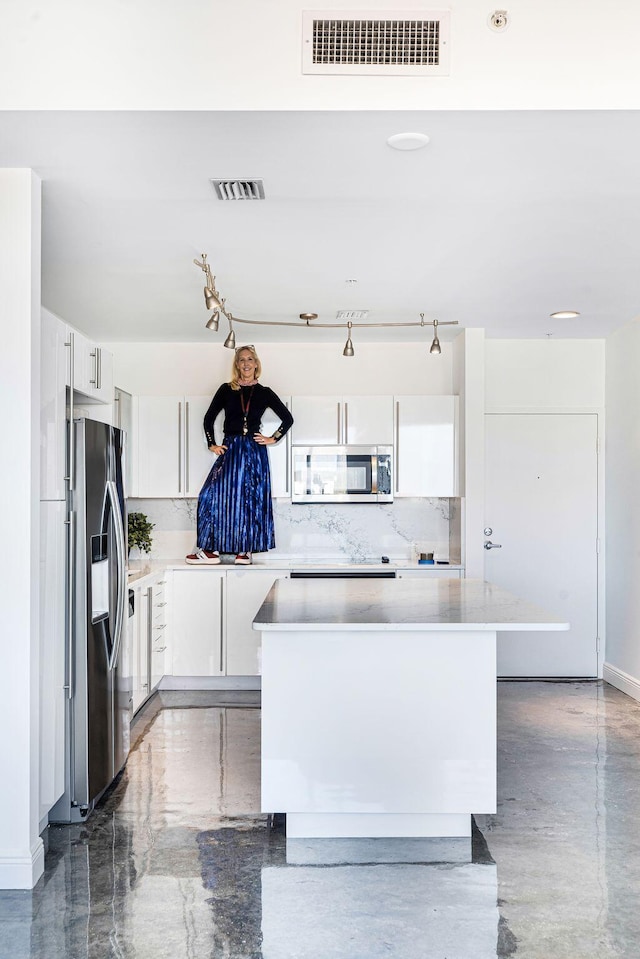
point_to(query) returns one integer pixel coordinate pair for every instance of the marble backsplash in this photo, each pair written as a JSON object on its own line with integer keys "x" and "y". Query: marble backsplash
{"x": 354, "y": 532}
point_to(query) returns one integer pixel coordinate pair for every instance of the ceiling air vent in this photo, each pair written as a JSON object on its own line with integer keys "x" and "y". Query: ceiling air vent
{"x": 239, "y": 189}
{"x": 352, "y": 314}
{"x": 376, "y": 42}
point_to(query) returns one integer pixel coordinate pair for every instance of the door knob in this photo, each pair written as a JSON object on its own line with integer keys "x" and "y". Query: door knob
{"x": 490, "y": 545}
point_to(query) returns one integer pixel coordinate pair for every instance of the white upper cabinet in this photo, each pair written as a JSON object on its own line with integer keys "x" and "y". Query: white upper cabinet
{"x": 279, "y": 453}
{"x": 170, "y": 453}
{"x": 92, "y": 369}
{"x": 426, "y": 446}
{"x": 54, "y": 376}
{"x": 158, "y": 444}
{"x": 171, "y": 456}
{"x": 197, "y": 458}
{"x": 336, "y": 420}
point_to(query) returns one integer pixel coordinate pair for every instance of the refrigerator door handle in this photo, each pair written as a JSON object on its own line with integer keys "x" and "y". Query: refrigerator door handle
{"x": 121, "y": 595}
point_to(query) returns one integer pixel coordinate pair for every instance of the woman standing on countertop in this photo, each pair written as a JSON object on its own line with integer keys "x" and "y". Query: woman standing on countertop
{"x": 235, "y": 513}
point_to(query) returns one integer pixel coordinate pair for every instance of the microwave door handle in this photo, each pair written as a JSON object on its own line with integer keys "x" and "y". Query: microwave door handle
{"x": 374, "y": 473}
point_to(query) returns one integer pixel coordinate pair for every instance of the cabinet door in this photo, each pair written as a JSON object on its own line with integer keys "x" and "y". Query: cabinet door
{"x": 54, "y": 376}
{"x": 368, "y": 420}
{"x": 198, "y": 459}
{"x": 246, "y": 592}
{"x": 197, "y": 604}
{"x": 141, "y": 647}
{"x": 426, "y": 446}
{"x": 123, "y": 419}
{"x": 318, "y": 420}
{"x": 279, "y": 453}
{"x": 52, "y": 652}
{"x": 157, "y": 631}
{"x": 159, "y": 446}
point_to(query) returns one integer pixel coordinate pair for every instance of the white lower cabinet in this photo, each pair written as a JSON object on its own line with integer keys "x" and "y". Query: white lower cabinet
{"x": 140, "y": 647}
{"x": 157, "y": 599}
{"x": 197, "y": 622}
{"x": 246, "y": 591}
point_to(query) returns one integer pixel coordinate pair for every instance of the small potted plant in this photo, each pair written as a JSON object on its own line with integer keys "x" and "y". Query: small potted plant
{"x": 139, "y": 529}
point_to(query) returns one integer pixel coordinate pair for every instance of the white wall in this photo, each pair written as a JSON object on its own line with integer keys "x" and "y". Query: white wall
{"x": 544, "y": 374}
{"x": 246, "y": 54}
{"x": 622, "y": 666}
{"x": 21, "y": 850}
{"x": 174, "y": 369}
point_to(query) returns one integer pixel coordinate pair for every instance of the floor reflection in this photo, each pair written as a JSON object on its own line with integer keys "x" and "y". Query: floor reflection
{"x": 177, "y": 862}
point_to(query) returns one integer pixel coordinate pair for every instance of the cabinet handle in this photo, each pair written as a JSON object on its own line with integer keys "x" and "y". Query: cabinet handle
{"x": 346, "y": 422}
{"x": 186, "y": 445}
{"x": 179, "y": 447}
{"x": 221, "y": 625}
{"x": 163, "y": 626}
{"x": 287, "y": 461}
{"x": 98, "y": 368}
{"x": 159, "y": 649}
{"x": 71, "y": 458}
{"x": 158, "y": 605}
{"x": 94, "y": 354}
{"x": 338, "y": 424}
{"x": 397, "y": 446}
{"x": 70, "y": 523}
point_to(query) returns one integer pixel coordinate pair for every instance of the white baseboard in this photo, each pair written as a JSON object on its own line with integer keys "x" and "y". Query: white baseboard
{"x": 210, "y": 682}
{"x": 621, "y": 680}
{"x": 22, "y": 872}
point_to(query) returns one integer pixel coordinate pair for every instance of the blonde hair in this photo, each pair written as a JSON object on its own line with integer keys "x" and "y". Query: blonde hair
{"x": 235, "y": 370}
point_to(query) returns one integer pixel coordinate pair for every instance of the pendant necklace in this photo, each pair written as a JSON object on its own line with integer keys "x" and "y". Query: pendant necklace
{"x": 245, "y": 409}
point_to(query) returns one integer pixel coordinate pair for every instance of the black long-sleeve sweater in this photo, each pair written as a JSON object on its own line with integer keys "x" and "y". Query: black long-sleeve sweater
{"x": 257, "y": 398}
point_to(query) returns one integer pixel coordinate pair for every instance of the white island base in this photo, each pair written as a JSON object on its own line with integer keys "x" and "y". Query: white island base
{"x": 379, "y": 704}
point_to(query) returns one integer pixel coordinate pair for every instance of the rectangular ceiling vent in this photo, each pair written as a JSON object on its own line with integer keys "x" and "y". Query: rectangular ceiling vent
{"x": 376, "y": 43}
{"x": 239, "y": 189}
{"x": 352, "y": 314}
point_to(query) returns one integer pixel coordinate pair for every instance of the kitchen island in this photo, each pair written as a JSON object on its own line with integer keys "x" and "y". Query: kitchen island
{"x": 379, "y": 703}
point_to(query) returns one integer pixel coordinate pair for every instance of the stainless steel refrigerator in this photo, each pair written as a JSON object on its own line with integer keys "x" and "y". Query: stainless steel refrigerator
{"x": 98, "y": 682}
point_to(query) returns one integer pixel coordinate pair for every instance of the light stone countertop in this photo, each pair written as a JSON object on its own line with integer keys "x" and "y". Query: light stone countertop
{"x": 148, "y": 567}
{"x": 399, "y": 605}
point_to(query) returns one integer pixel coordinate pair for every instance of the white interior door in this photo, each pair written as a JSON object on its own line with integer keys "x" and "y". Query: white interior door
{"x": 541, "y": 505}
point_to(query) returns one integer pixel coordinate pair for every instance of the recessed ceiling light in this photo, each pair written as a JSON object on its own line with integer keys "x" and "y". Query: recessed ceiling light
{"x": 564, "y": 315}
{"x": 408, "y": 141}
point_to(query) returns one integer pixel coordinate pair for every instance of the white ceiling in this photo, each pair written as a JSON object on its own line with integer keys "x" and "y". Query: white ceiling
{"x": 502, "y": 219}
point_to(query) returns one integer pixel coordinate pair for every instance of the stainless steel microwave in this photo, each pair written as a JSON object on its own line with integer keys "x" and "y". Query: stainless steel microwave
{"x": 342, "y": 474}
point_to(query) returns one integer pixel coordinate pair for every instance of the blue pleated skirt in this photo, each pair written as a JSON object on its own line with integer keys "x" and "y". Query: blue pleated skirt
{"x": 235, "y": 514}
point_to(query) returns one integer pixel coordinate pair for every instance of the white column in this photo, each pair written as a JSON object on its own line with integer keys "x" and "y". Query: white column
{"x": 468, "y": 370}
{"x": 21, "y": 849}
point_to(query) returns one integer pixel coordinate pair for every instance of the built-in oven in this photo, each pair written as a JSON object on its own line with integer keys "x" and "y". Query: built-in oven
{"x": 342, "y": 474}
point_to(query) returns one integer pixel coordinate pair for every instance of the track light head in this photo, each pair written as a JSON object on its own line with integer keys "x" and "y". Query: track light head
{"x": 435, "y": 346}
{"x": 212, "y": 322}
{"x": 348, "y": 347}
{"x": 211, "y": 298}
{"x": 230, "y": 341}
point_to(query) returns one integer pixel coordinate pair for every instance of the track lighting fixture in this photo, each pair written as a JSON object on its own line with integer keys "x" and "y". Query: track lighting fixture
{"x": 230, "y": 341}
{"x": 213, "y": 321}
{"x": 435, "y": 346}
{"x": 216, "y": 303}
{"x": 348, "y": 347}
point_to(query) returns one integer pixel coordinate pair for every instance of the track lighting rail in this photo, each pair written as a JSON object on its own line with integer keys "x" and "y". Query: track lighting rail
{"x": 214, "y": 301}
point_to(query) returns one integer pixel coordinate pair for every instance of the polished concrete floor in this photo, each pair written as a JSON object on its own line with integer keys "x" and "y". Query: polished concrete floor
{"x": 177, "y": 861}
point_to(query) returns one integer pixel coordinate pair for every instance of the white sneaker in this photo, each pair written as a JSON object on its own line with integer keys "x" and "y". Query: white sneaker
{"x": 203, "y": 557}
